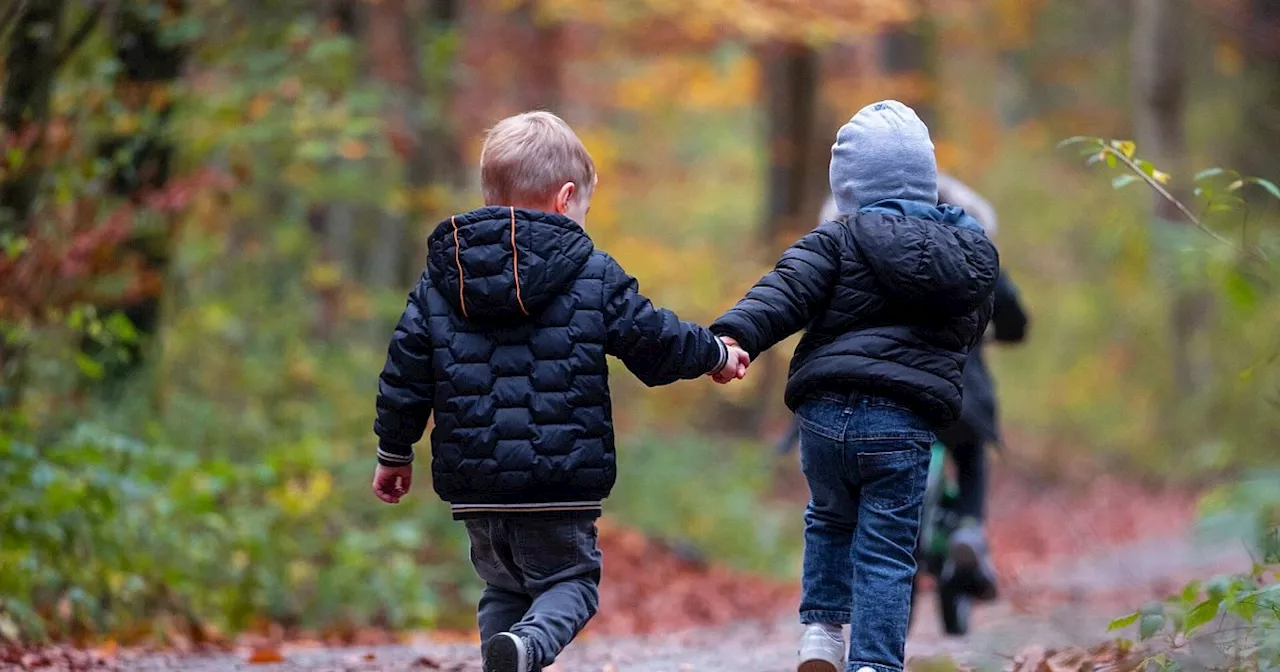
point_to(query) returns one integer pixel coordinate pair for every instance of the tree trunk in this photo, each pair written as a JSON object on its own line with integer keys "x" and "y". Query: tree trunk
{"x": 141, "y": 160}
{"x": 1259, "y": 132}
{"x": 30, "y": 66}
{"x": 796, "y": 173}
{"x": 798, "y": 149}
{"x": 538, "y": 59}
{"x": 912, "y": 51}
{"x": 1160, "y": 32}
{"x": 432, "y": 159}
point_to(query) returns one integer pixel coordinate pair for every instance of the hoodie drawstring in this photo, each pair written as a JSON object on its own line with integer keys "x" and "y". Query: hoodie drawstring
{"x": 515, "y": 260}
{"x": 457, "y": 259}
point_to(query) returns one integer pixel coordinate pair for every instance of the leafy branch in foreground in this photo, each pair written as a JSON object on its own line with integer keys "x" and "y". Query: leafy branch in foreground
{"x": 1237, "y": 614}
{"x": 1116, "y": 153}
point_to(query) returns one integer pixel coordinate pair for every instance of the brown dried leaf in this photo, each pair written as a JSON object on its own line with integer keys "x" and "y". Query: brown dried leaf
{"x": 263, "y": 655}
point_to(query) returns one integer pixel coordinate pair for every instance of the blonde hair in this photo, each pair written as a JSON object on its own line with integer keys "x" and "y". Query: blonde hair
{"x": 528, "y": 157}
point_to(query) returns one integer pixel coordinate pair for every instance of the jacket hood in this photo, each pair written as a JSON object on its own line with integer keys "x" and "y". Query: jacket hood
{"x": 503, "y": 264}
{"x": 937, "y": 258}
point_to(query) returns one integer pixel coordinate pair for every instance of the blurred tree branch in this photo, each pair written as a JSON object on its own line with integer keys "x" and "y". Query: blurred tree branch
{"x": 10, "y": 14}
{"x": 81, "y": 33}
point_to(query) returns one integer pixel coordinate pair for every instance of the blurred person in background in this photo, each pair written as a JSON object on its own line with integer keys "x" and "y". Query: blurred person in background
{"x": 969, "y": 567}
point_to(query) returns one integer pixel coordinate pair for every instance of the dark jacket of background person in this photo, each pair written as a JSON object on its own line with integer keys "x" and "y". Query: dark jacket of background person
{"x": 978, "y": 422}
{"x": 504, "y": 340}
{"x": 892, "y": 300}
{"x": 978, "y": 419}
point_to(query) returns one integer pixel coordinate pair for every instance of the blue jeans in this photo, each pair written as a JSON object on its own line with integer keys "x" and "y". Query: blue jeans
{"x": 866, "y": 460}
{"x": 542, "y": 576}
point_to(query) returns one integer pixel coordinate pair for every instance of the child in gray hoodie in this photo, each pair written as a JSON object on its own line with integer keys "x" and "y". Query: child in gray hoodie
{"x": 893, "y": 294}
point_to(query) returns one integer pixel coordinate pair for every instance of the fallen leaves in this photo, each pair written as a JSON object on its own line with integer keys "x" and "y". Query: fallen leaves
{"x": 64, "y": 658}
{"x": 1108, "y": 656}
{"x": 649, "y": 587}
{"x": 265, "y": 655}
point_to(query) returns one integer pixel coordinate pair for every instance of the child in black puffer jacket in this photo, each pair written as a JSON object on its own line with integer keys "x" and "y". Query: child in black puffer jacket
{"x": 504, "y": 341}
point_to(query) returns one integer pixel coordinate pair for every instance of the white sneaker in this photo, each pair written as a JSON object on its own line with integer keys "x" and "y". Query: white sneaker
{"x": 821, "y": 649}
{"x": 506, "y": 652}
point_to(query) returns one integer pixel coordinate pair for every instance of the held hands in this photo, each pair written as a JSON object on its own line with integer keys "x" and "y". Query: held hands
{"x": 735, "y": 367}
{"x": 392, "y": 483}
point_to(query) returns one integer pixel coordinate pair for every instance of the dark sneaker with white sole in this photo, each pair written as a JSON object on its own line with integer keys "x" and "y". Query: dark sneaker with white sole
{"x": 969, "y": 569}
{"x": 506, "y": 652}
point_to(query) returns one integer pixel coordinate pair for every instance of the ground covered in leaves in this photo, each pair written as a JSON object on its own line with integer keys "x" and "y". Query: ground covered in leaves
{"x": 653, "y": 590}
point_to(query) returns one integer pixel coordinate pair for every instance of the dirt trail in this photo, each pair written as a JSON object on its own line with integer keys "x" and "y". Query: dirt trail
{"x": 1071, "y": 604}
{"x": 1071, "y": 555}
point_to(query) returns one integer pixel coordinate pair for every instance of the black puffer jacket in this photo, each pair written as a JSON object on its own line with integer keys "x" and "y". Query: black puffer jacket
{"x": 504, "y": 339}
{"x": 892, "y": 305}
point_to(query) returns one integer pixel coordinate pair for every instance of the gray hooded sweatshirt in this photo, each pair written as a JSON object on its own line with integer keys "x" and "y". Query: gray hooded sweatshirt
{"x": 883, "y": 153}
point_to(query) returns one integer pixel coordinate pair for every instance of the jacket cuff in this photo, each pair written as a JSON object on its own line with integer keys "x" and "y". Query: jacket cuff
{"x": 394, "y": 454}
{"x": 727, "y": 329}
{"x": 724, "y": 356}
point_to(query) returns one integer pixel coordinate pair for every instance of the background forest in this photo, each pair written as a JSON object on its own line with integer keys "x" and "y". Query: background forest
{"x": 211, "y": 212}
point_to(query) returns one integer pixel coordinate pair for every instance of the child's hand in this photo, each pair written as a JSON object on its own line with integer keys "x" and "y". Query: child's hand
{"x": 392, "y": 483}
{"x": 735, "y": 367}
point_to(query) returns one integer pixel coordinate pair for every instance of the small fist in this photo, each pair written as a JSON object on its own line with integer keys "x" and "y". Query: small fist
{"x": 735, "y": 367}
{"x": 392, "y": 483}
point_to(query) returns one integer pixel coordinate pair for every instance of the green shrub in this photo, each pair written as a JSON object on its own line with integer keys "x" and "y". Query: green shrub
{"x": 1231, "y": 621}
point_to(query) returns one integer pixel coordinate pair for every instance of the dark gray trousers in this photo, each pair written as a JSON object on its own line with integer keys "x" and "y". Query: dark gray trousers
{"x": 542, "y": 576}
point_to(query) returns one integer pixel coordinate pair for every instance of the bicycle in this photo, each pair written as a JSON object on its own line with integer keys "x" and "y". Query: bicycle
{"x": 939, "y": 519}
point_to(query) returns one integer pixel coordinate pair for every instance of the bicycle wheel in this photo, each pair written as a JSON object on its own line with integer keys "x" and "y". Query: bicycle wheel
{"x": 954, "y": 607}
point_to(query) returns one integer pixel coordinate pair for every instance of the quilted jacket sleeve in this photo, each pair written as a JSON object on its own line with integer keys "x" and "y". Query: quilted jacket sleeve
{"x": 788, "y": 297}
{"x": 656, "y": 345}
{"x": 406, "y": 386}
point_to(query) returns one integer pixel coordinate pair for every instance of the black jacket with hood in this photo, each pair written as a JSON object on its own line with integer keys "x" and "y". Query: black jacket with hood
{"x": 892, "y": 300}
{"x": 504, "y": 339}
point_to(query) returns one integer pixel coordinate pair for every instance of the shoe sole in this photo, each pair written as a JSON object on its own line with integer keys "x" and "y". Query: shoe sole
{"x": 502, "y": 653}
{"x": 968, "y": 571}
{"x": 817, "y": 666}
{"x": 965, "y": 555}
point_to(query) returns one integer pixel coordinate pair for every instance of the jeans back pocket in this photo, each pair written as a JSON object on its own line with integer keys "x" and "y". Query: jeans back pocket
{"x": 546, "y": 546}
{"x": 892, "y": 472}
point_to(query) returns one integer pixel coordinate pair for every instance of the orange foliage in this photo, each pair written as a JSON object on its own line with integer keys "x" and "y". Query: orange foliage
{"x": 801, "y": 20}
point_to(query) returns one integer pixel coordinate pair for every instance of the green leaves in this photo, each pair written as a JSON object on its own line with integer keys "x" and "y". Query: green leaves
{"x": 1267, "y": 185}
{"x": 1149, "y": 625}
{"x": 1202, "y": 614}
{"x": 1208, "y": 173}
{"x": 1122, "y": 181}
{"x": 1123, "y": 622}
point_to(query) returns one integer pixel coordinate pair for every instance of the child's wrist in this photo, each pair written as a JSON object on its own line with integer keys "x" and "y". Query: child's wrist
{"x": 394, "y": 455}
{"x": 724, "y": 357}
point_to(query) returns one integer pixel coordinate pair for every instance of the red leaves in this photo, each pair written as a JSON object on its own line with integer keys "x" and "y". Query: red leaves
{"x": 648, "y": 588}
{"x": 70, "y": 250}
